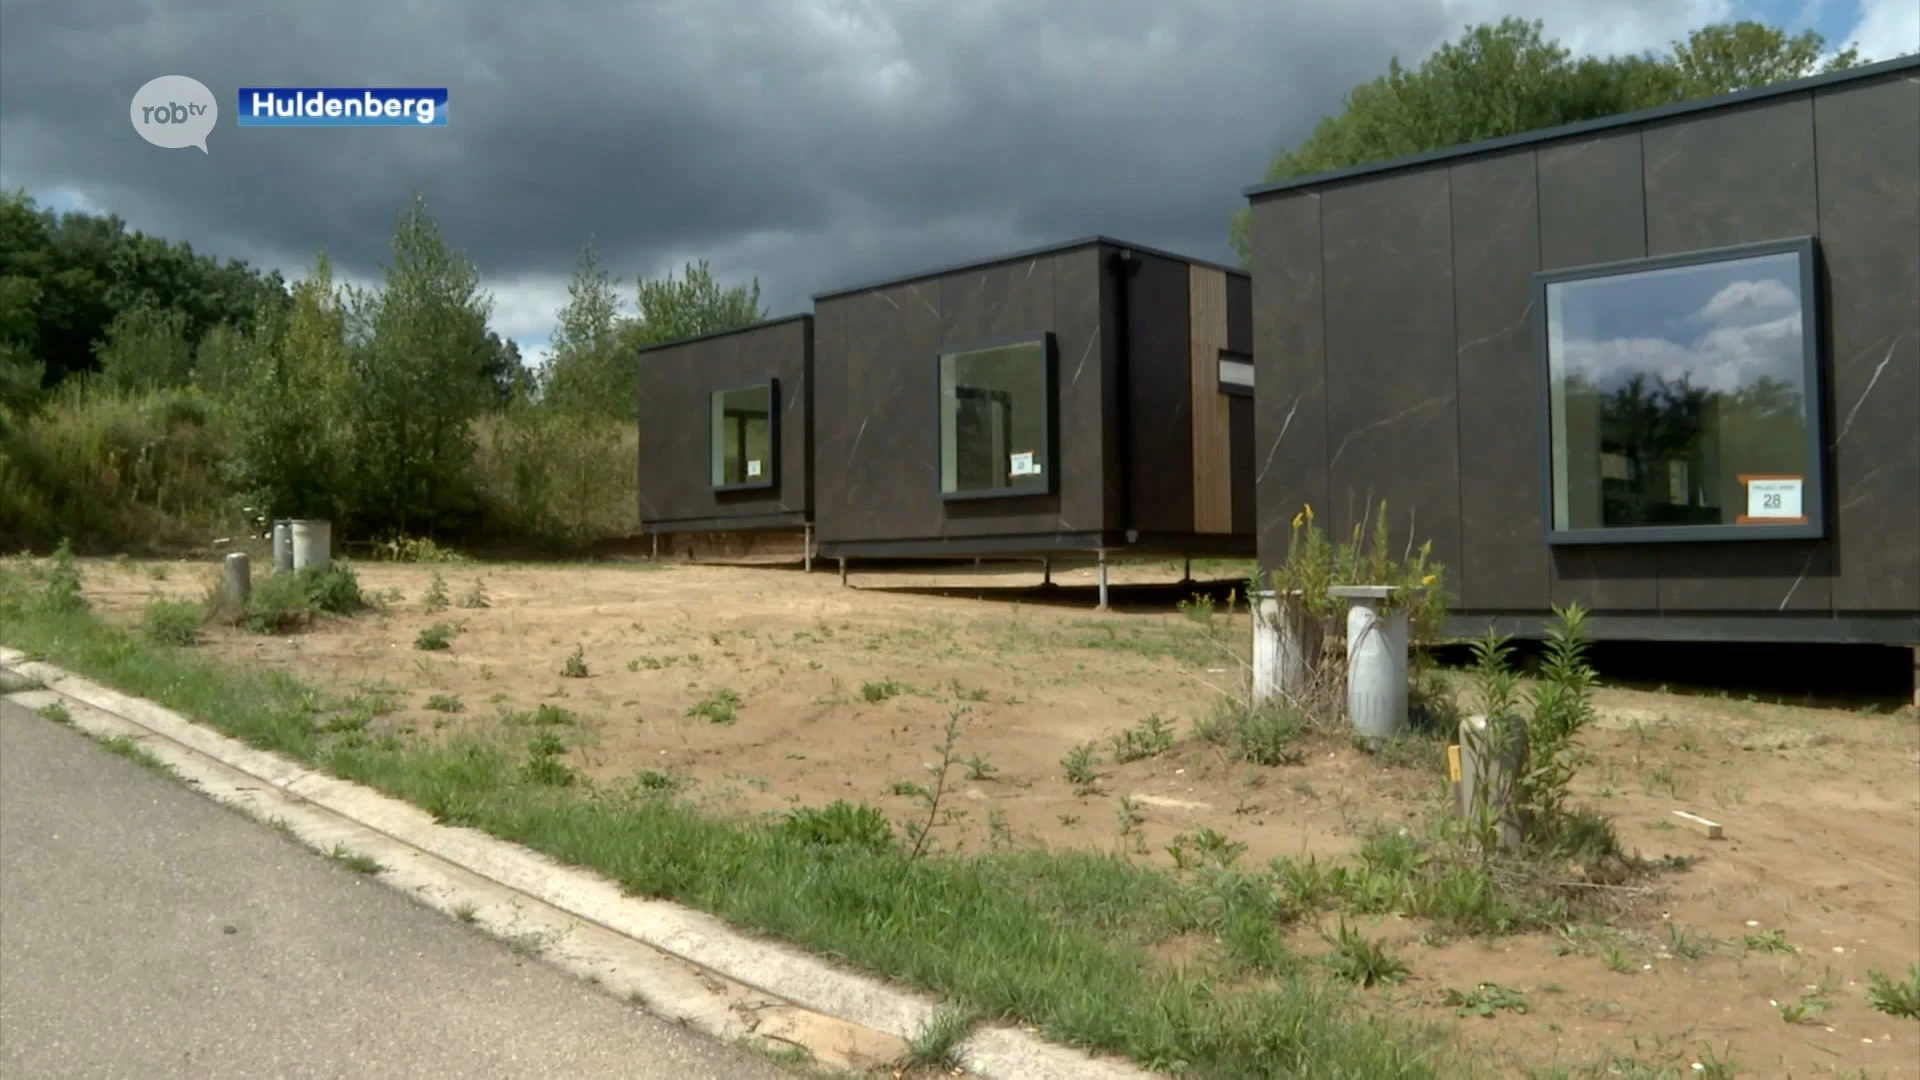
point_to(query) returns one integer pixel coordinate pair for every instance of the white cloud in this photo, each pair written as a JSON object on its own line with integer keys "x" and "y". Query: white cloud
{"x": 1747, "y": 301}
{"x": 1724, "y": 359}
{"x": 1887, "y": 29}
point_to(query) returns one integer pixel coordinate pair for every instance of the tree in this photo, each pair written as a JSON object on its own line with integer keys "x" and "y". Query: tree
{"x": 290, "y": 373}
{"x": 146, "y": 349}
{"x": 590, "y": 367}
{"x": 1505, "y": 78}
{"x": 694, "y": 305}
{"x": 420, "y": 376}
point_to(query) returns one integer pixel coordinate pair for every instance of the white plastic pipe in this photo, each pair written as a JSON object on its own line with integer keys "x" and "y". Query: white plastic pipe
{"x": 282, "y": 546}
{"x": 312, "y": 544}
{"x": 1376, "y": 663}
{"x": 1286, "y": 646}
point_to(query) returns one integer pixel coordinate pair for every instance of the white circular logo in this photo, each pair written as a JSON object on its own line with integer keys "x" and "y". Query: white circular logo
{"x": 174, "y": 112}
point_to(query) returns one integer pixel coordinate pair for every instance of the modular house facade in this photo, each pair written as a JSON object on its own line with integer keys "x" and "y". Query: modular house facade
{"x": 1093, "y": 396}
{"x": 1665, "y": 365}
{"x": 726, "y": 430}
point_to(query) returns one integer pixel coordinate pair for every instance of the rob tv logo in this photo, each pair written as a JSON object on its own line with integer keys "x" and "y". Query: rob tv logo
{"x": 175, "y": 112}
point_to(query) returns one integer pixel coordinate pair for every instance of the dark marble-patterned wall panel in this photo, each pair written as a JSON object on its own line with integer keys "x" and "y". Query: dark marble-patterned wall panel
{"x": 1392, "y": 419}
{"x": 1868, "y": 150}
{"x": 1736, "y": 176}
{"x": 674, "y": 385}
{"x": 1496, "y": 251}
{"x": 1591, "y": 211}
{"x": 1240, "y": 446}
{"x": 830, "y": 412}
{"x": 1159, "y": 390}
{"x": 1085, "y": 416}
{"x": 1289, "y": 361}
{"x": 1240, "y": 313}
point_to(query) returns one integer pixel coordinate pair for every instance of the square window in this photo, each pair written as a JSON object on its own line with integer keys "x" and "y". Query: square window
{"x": 741, "y": 426}
{"x": 1683, "y": 397}
{"x": 996, "y": 419}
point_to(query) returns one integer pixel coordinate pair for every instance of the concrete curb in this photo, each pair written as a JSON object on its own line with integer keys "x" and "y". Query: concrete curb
{"x": 678, "y": 962}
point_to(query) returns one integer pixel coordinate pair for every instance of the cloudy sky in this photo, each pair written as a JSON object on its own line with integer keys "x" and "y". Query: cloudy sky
{"x": 809, "y": 143}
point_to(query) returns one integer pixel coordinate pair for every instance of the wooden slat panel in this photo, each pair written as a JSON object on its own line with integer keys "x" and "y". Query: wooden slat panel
{"x": 1212, "y": 420}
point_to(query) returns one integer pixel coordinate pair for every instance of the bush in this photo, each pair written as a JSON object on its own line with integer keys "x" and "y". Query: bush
{"x": 840, "y": 823}
{"x": 282, "y": 603}
{"x": 171, "y": 622}
{"x": 434, "y": 638}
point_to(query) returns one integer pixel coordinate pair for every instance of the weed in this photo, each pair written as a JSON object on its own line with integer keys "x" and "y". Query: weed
{"x": 1069, "y": 820}
{"x": 1129, "y": 815}
{"x": 1264, "y": 735}
{"x": 1149, "y": 738}
{"x": 417, "y": 549}
{"x": 130, "y": 748}
{"x": 357, "y": 861}
{"x": 937, "y": 1045}
{"x": 1769, "y": 941}
{"x": 446, "y": 703}
{"x": 1359, "y": 960}
{"x": 979, "y": 768}
{"x": 543, "y": 765}
{"x": 1900, "y": 999}
{"x": 1486, "y": 1000}
{"x": 576, "y": 664}
{"x": 436, "y": 597}
{"x": 875, "y": 692}
{"x": 1807, "y": 1009}
{"x": 436, "y": 637}
{"x": 1082, "y": 765}
{"x": 171, "y": 622}
{"x": 920, "y": 831}
{"x": 839, "y": 823}
{"x": 476, "y": 596}
{"x": 655, "y": 782}
{"x": 1684, "y": 943}
{"x": 466, "y": 912}
{"x": 718, "y": 707}
{"x": 56, "y": 711}
{"x": 1615, "y": 957}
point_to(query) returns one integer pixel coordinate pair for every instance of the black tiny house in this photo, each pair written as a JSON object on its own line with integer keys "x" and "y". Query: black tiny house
{"x": 726, "y": 430}
{"x": 1092, "y": 396}
{"x": 1666, "y": 365}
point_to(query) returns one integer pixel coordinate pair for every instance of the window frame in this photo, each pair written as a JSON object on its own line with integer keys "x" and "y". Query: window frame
{"x": 1049, "y": 415}
{"x": 1234, "y": 389}
{"x": 1812, "y": 316}
{"x": 770, "y": 476}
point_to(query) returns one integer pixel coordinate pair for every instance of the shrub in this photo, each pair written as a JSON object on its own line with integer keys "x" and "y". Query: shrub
{"x": 171, "y": 622}
{"x": 840, "y": 823}
{"x": 434, "y": 638}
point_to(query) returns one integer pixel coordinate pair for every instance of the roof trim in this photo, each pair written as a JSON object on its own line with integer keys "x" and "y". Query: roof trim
{"x": 1588, "y": 127}
{"x": 1015, "y": 256}
{"x": 764, "y": 324}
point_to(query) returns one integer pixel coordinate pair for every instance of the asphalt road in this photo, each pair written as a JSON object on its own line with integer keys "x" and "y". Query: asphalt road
{"x": 148, "y": 932}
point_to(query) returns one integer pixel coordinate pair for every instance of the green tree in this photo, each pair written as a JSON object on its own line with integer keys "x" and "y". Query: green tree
{"x": 1505, "y": 78}
{"x": 290, "y": 375}
{"x": 695, "y": 304}
{"x": 421, "y": 374}
{"x": 145, "y": 349}
{"x": 589, "y": 368}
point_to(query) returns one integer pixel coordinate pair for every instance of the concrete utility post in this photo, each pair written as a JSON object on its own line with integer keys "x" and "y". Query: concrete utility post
{"x": 238, "y": 579}
{"x": 1103, "y": 580}
{"x": 1286, "y": 645}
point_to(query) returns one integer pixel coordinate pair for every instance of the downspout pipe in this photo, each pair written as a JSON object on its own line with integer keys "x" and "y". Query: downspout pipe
{"x": 1125, "y": 266}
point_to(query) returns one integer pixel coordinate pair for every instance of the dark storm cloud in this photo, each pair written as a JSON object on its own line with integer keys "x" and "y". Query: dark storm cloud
{"x": 810, "y": 142}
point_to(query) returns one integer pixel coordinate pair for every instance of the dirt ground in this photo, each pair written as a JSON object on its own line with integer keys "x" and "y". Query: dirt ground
{"x": 842, "y": 692}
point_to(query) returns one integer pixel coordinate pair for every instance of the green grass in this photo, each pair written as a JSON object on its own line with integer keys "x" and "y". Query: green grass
{"x": 1054, "y": 940}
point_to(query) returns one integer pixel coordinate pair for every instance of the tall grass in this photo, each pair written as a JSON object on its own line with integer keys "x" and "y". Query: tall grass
{"x": 114, "y": 471}
{"x": 148, "y": 471}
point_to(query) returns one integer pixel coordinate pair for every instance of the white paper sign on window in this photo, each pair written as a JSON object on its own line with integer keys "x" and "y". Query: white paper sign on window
{"x": 753, "y": 467}
{"x": 1773, "y": 498}
{"x": 1022, "y": 464}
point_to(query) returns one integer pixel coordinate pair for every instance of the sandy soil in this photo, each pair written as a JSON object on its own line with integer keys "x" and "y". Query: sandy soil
{"x": 842, "y": 692}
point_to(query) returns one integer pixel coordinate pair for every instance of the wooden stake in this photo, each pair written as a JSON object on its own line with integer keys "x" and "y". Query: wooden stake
{"x": 1714, "y": 832}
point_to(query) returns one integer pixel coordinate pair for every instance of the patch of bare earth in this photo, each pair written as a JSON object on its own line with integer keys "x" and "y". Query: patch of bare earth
{"x": 842, "y": 692}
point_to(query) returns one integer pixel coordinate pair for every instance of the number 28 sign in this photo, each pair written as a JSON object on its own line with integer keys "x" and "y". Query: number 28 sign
{"x": 1773, "y": 500}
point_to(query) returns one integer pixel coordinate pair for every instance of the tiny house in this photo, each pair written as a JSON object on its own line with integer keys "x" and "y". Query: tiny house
{"x": 726, "y": 431}
{"x": 1092, "y": 397}
{"x": 1665, "y": 365}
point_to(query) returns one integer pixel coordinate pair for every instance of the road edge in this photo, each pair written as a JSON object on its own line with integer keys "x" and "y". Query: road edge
{"x": 842, "y": 1018}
